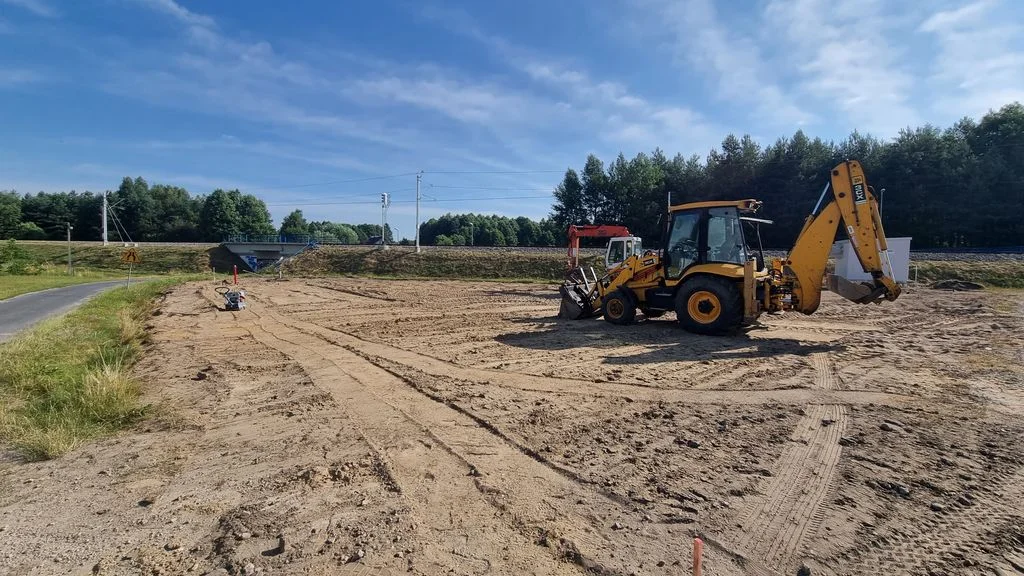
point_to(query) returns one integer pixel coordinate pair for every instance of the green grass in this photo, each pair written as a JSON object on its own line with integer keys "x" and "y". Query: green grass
{"x": 68, "y": 380}
{"x": 12, "y": 285}
{"x": 155, "y": 259}
{"x": 995, "y": 273}
{"x": 402, "y": 262}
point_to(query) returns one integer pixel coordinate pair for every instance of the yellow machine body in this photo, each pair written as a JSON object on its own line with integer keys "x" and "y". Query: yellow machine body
{"x": 706, "y": 274}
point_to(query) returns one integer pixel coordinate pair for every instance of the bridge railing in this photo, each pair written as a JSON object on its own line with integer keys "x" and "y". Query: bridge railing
{"x": 282, "y": 239}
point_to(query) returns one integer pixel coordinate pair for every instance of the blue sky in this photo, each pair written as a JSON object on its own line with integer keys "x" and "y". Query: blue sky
{"x": 296, "y": 101}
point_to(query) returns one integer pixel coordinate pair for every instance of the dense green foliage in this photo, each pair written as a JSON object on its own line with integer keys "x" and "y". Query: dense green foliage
{"x": 489, "y": 230}
{"x": 157, "y": 213}
{"x": 959, "y": 187}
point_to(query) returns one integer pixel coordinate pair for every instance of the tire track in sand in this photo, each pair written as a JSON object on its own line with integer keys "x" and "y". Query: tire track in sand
{"x": 637, "y": 391}
{"x": 964, "y": 529}
{"x": 472, "y": 489}
{"x": 774, "y": 528}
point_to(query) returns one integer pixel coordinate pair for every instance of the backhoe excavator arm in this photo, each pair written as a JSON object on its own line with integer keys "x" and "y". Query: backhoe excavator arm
{"x": 852, "y": 204}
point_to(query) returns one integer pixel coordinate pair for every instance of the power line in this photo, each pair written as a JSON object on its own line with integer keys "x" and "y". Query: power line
{"x": 352, "y": 181}
{"x": 493, "y": 171}
{"x": 489, "y": 188}
{"x": 424, "y": 200}
{"x": 314, "y": 201}
{"x": 478, "y": 199}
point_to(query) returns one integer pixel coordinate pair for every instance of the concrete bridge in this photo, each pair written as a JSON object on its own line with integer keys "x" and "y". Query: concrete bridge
{"x": 261, "y": 251}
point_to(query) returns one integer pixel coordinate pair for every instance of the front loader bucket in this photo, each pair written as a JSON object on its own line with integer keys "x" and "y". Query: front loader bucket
{"x": 574, "y": 306}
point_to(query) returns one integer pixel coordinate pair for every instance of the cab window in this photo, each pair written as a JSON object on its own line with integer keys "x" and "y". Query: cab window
{"x": 682, "y": 243}
{"x": 616, "y": 252}
{"x": 725, "y": 237}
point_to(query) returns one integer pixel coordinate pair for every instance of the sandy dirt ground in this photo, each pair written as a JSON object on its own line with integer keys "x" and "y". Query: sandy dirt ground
{"x": 351, "y": 426}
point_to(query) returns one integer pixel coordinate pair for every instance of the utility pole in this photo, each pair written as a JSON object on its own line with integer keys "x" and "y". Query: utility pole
{"x": 384, "y": 201}
{"x": 470, "y": 233}
{"x": 104, "y": 218}
{"x": 70, "y": 227}
{"x": 419, "y": 175}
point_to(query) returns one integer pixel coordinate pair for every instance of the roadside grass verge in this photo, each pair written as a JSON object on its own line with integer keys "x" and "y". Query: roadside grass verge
{"x": 13, "y": 285}
{"x": 69, "y": 379}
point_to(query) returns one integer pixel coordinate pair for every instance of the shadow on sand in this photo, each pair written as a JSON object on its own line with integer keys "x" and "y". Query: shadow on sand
{"x": 664, "y": 339}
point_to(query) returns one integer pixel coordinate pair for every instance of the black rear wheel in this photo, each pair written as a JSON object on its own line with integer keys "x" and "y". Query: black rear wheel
{"x": 709, "y": 305}
{"x": 618, "y": 307}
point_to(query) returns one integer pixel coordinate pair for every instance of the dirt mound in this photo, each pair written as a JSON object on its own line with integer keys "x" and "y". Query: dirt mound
{"x": 956, "y": 285}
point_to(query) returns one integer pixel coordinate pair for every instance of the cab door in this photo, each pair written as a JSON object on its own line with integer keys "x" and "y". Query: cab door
{"x": 619, "y": 249}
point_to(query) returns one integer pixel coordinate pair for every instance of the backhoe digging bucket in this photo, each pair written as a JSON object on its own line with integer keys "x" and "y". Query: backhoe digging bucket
{"x": 578, "y": 295}
{"x": 574, "y": 306}
{"x": 859, "y": 292}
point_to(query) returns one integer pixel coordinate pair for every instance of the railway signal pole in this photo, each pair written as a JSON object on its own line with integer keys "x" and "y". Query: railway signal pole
{"x": 385, "y": 200}
{"x": 104, "y": 218}
{"x": 419, "y": 176}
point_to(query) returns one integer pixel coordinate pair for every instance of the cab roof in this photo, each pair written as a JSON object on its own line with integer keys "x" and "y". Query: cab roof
{"x": 748, "y": 205}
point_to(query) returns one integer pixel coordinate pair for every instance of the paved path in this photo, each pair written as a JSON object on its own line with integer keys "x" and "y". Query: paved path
{"x": 21, "y": 312}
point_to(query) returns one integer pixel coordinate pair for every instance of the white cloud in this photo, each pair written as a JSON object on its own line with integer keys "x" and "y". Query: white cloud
{"x": 949, "y": 19}
{"x": 608, "y": 109}
{"x": 735, "y": 63}
{"x": 844, "y": 60}
{"x": 37, "y": 7}
{"x": 179, "y": 12}
{"x": 467, "y": 102}
{"x": 980, "y": 60}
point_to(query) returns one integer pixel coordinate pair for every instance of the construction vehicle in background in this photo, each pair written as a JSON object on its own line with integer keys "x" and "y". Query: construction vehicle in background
{"x": 622, "y": 241}
{"x": 708, "y": 274}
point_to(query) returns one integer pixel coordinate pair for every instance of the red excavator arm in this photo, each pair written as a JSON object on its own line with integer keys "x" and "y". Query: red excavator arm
{"x": 589, "y": 231}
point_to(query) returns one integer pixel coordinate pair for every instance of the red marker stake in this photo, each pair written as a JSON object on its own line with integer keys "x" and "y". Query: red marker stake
{"x": 236, "y": 273}
{"x": 698, "y": 553}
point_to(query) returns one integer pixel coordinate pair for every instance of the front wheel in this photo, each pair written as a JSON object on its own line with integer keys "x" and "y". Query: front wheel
{"x": 709, "y": 305}
{"x": 618, "y": 307}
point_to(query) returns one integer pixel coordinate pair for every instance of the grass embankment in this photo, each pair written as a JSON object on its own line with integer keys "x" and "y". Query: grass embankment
{"x": 156, "y": 259}
{"x": 68, "y": 379}
{"x": 402, "y": 262}
{"x": 995, "y": 273}
{"x": 512, "y": 264}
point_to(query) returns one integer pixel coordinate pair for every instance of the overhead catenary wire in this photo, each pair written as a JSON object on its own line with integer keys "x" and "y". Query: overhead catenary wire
{"x": 334, "y": 182}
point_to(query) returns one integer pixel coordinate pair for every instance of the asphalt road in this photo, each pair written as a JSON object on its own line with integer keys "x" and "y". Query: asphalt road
{"x": 21, "y": 312}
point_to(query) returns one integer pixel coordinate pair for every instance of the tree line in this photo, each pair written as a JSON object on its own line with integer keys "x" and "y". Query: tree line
{"x": 160, "y": 213}
{"x": 490, "y": 230}
{"x": 958, "y": 187}
{"x": 962, "y": 186}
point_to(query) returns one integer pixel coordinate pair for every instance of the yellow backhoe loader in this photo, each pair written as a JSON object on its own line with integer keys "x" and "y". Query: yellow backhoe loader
{"x": 708, "y": 275}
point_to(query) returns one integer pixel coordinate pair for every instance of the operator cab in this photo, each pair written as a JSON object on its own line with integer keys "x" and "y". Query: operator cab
{"x": 706, "y": 233}
{"x": 620, "y": 249}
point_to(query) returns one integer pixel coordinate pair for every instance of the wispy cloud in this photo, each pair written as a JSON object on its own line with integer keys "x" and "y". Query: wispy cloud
{"x": 844, "y": 61}
{"x": 701, "y": 41}
{"x": 19, "y": 76}
{"x": 179, "y": 12}
{"x": 614, "y": 112}
{"x": 464, "y": 101}
{"x": 980, "y": 62}
{"x": 37, "y": 7}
